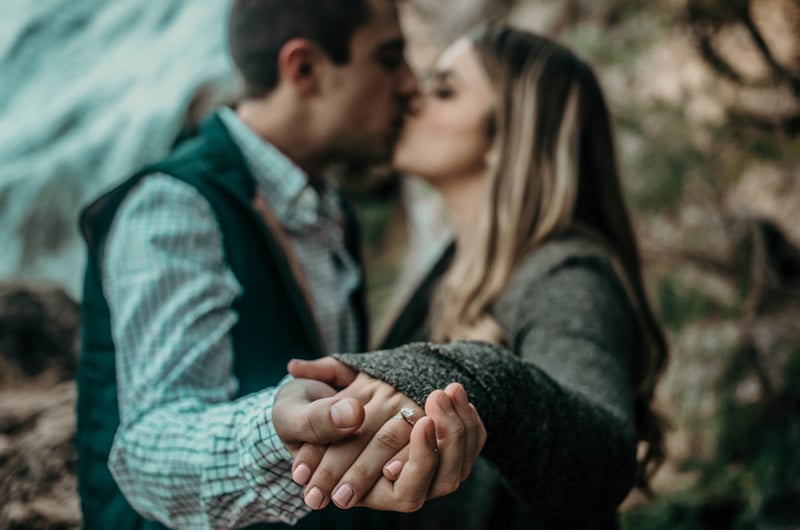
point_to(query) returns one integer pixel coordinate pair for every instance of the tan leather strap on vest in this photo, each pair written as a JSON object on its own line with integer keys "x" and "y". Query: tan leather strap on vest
{"x": 262, "y": 207}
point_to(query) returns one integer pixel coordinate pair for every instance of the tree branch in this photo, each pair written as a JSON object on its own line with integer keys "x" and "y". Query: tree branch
{"x": 780, "y": 72}
{"x": 789, "y": 125}
{"x": 758, "y": 275}
{"x": 709, "y": 53}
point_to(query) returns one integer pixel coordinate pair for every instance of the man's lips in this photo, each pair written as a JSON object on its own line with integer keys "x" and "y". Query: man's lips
{"x": 398, "y": 123}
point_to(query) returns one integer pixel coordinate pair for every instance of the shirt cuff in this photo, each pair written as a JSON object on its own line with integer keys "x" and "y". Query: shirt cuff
{"x": 272, "y": 443}
{"x": 272, "y": 467}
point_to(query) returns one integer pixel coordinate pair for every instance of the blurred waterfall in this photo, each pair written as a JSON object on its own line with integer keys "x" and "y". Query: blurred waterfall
{"x": 89, "y": 91}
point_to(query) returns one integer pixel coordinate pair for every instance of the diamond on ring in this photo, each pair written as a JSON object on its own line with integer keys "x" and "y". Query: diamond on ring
{"x": 408, "y": 414}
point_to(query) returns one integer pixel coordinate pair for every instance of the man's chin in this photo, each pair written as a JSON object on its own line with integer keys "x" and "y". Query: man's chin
{"x": 374, "y": 155}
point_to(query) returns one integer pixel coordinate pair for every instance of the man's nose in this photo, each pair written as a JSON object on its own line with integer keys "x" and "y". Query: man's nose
{"x": 414, "y": 105}
{"x": 409, "y": 87}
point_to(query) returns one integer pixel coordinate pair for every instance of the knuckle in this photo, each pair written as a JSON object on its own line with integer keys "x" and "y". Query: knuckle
{"x": 457, "y": 431}
{"x": 359, "y": 472}
{"x": 361, "y": 432}
{"x": 469, "y": 424}
{"x": 301, "y": 420}
{"x": 391, "y": 438}
{"x": 310, "y": 454}
{"x": 445, "y": 488}
{"x": 311, "y": 426}
{"x": 452, "y": 486}
{"x": 324, "y": 477}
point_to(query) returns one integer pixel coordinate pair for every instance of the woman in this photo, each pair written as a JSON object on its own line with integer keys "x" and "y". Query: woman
{"x": 515, "y": 135}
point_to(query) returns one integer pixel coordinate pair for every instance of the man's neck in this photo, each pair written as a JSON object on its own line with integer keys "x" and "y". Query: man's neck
{"x": 282, "y": 126}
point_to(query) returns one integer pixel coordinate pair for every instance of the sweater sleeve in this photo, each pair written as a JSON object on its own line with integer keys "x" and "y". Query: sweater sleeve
{"x": 558, "y": 406}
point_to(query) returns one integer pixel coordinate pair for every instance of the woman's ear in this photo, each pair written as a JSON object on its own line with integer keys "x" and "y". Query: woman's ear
{"x": 298, "y": 65}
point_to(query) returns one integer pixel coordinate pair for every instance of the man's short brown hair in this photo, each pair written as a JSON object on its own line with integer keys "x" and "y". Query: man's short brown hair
{"x": 258, "y": 29}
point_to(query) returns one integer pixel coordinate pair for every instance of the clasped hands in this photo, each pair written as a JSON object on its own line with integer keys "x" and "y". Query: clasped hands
{"x": 350, "y": 446}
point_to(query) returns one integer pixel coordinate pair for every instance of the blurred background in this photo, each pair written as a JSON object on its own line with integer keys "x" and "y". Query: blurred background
{"x": 706, "y": 96}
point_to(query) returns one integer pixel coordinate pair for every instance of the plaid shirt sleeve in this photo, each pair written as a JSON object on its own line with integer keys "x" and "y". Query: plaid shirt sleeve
{"x": 186, "y": 453}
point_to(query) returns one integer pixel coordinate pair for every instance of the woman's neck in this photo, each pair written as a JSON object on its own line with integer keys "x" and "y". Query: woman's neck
{"x": 462, "y": 199}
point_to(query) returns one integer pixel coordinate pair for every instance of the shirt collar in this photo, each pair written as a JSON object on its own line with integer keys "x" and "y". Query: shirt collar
{"x": 283, "y": 184}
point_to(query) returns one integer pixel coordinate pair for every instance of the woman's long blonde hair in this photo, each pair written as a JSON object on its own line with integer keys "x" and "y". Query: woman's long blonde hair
{"x": 556, "y": 170}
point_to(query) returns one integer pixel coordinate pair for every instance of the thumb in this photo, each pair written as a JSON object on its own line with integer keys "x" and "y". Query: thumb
{"x": 329, "y": 420}
{"x": 298, "y": 419}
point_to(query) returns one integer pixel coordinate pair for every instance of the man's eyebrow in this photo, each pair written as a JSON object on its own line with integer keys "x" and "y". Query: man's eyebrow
{"x": 393, "y": 45}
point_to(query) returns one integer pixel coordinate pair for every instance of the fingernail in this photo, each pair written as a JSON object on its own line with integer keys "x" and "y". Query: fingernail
{"x": 343, "y": 495}
{"x": 301, "y": 475}
{"x": 444, "y": 402}
{"x": 461, "y": 397}
{"x": 343, "y": 414}
{"x": 315, "y": 498}
{"x": 394, "y": 468}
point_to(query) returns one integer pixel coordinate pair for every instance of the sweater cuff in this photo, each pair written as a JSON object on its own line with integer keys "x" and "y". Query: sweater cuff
{"x": 418, "y": 369}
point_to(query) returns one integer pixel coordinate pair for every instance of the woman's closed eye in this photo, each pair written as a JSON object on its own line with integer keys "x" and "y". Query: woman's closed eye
{"x": 442, "y": 92}
{"x": 438, "y": 85}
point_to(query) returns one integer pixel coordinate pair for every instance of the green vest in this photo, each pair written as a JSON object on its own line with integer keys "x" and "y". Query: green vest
{"x": 275, "y": 323}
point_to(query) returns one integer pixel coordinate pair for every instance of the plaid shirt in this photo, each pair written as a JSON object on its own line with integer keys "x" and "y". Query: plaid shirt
{"x": 186, "y": 453}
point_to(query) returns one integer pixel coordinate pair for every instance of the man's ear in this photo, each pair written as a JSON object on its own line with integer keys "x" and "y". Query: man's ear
{"x": 299, "y": 65}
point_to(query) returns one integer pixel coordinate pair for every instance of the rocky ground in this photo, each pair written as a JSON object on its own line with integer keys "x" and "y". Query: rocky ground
{"x": 38, "y": 340}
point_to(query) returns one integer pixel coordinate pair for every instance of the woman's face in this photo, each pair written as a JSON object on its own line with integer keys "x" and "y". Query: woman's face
{"x": 447, "y": 136}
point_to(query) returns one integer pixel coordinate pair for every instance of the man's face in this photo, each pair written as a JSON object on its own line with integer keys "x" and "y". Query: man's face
{"x": 364, "y": 102}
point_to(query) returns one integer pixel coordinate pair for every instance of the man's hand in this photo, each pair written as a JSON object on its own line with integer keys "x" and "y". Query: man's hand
{"x": 327, "y": 370}
{"x": 307, "y": 411}
{"x": 347, "y": 471}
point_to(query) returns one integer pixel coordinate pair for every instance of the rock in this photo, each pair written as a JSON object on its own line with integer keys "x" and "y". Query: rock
{"x": 38, "y": 332}
{"x": 38, "y": 458}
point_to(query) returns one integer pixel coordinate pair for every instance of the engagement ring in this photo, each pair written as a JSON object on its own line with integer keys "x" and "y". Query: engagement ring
{"x": 406, "y": 413}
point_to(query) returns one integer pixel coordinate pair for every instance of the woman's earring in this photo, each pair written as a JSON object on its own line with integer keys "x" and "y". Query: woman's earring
{"x": 492, "y": 159}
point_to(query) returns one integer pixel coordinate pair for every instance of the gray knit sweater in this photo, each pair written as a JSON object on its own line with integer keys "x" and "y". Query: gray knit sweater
{"x": 557, "y": 405}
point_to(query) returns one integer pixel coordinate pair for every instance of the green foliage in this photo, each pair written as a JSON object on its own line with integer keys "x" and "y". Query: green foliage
{"x": 374, "y": 214}
{"x": 685, "y": 511}
{"x": 767, "y": 148}
{"x": 763, "y": 438}
{"x": 637, "y": 30}
{"x": 753, "y": 481}
{"x": 379, "y": 214}
{"x": 680, "y": 305}
{"x": 666, "y": 159}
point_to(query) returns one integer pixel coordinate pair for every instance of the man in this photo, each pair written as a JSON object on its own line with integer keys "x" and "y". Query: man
{"x": 208, "y": 271}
